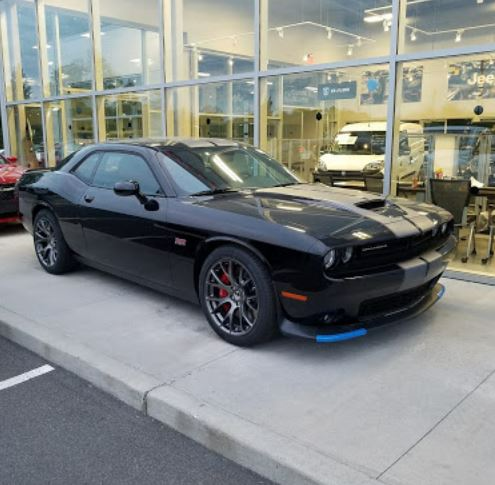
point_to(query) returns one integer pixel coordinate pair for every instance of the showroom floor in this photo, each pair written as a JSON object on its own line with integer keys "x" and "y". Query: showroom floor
{"x": 409, "y": 404}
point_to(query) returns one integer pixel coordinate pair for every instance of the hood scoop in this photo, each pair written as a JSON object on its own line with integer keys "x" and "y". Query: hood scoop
{"x": 372, "y": 204}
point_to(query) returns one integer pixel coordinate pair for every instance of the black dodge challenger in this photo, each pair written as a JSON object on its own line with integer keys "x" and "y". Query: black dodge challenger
{"x": 223, "y": 223}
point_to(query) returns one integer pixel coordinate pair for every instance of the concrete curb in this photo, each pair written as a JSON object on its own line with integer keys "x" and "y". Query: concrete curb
{"x": 121, "y": 381}
{"x": 269, "y": 454}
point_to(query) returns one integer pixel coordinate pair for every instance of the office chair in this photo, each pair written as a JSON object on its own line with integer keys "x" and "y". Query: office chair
{"x": 453, "y": 196}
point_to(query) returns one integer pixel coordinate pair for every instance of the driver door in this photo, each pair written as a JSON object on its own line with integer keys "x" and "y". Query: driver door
{"x": 121, "y": 234}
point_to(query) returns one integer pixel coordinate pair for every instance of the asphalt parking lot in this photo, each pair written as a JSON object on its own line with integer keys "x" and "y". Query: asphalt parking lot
{"x": 57, "y": 429}
{"x": 409, "y": 404}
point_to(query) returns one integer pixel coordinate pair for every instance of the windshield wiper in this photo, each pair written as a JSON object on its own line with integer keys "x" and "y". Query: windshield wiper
{"x": 288, "y": 183}
{"x": 214, "y": 191}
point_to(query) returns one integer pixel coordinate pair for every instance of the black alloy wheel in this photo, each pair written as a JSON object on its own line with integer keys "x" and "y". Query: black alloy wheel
{"x": 237, "y": 296}
{"x": 49, "y": 244}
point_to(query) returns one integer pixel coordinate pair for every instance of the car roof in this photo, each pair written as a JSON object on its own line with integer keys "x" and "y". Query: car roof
{"x": 175, "y": 142}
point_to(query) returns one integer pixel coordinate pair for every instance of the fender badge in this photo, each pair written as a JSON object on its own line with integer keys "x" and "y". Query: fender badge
{"x": 180, "y": 242}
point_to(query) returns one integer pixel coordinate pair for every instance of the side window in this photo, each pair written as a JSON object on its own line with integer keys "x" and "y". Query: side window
{"x": 121, "y": 167}
{"x": 86, "y": 168}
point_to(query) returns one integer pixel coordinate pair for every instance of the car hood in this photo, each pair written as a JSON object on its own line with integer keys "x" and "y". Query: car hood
{"x": 332, "y": 215}
{"x": 10, "y": 174}
{"x": 334, "y": 161}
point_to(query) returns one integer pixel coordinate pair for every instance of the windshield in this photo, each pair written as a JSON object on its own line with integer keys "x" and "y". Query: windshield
{"x": 205, "y": 170}
{"x": 359, "y": 143}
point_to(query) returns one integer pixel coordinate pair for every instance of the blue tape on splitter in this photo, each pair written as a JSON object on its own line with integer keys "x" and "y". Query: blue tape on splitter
{"x": 339, "y": 337}
{"x": 441, "y": 292}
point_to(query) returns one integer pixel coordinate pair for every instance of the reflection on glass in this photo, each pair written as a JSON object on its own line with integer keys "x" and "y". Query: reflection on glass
{"x": 132, "y": 115}
{"x": 26, "y": 134}
{"x": 455, "y": 141}
{"x": 69, "y": 126}
{"x": 328, "y": 121}
{"x": 69, "y": 47}
{"x": 319, "y": 31}
{"x": 212, "y": 38}
{"x": 130, "y": 43}
{"x": 21, "y": 61}
{"x": 217, "y": 110}
{"x": 443, "y": 24}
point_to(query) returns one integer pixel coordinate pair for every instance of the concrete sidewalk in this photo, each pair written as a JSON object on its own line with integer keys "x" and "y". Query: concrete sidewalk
{"x": 409, "y": 404}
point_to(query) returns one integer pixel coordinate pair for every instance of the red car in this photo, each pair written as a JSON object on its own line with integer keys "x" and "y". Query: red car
{"x": 10, "y": 173}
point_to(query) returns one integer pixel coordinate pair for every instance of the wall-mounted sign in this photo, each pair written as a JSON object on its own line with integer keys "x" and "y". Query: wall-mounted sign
{"x": 332, "y": 91}
{"x": 472, "y": 80}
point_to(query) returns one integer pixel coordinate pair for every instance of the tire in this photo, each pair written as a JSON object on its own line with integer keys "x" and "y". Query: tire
{"x": 237, "y": 296}
{"x": 50, "y": 247}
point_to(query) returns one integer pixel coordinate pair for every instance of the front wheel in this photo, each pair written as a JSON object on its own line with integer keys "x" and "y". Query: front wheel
{"x": 237, "y": 296}
{"x": 51, "y": 249}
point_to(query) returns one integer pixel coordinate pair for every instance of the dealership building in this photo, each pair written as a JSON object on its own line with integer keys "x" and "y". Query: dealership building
{"x": 415, "y": 79}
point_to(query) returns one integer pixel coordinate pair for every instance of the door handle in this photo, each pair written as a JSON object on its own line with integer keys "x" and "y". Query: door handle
{"x": 89, "y": 198}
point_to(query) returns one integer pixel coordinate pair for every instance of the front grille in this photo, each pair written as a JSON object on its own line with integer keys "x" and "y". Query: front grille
{"x": 7, "y": 192}
{"x": 394, "y": 303}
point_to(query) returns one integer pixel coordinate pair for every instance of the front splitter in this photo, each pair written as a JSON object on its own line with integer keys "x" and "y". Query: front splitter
{"x": 338, "y": 333}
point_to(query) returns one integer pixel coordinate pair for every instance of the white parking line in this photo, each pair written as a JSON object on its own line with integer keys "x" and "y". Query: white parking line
{"x": 13, "y": 381}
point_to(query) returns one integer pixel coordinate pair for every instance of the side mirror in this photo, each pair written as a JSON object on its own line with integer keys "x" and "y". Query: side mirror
{"x": 126, "y": 189}
{"x": 12, "y": 160}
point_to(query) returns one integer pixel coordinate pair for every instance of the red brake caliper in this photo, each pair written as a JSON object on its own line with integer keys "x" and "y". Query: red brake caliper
{"x": 223, "y": 293}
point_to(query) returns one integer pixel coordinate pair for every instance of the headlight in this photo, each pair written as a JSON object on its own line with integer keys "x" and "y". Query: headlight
{"x": 330, "y": 259}
{"x": 373, "y": 167}
{"x": 346, "y": 255}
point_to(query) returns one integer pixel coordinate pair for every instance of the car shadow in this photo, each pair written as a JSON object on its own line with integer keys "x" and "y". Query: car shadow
{"x": 11, "y": 229}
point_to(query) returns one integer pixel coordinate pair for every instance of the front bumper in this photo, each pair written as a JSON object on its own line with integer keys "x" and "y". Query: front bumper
{"x": 9, "y": 204}
{"x": 355, "y": 304}
{"x": 326, "y": 334}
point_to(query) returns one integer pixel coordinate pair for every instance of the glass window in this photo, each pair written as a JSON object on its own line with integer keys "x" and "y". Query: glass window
{"x": 87, "y": 167}
{"x": 118, "y": 167}
{"x": 224, "y": 168}
{"x": 20, "y": 49}
{"x": 444, "y": 24}
{"x": 69, "y": 46}
{"x": 212, "y": 37}
{"x": 217, "y": 110}
{"x": 132, "y": 115}
{"x": 69, "y": 125}
{"x": 317, "y": 31}
{"x": 328, "y": 125}
{"x": 130, "y": 43}
{"x": 448, "y": 138}
{"x": 26, "y": 134}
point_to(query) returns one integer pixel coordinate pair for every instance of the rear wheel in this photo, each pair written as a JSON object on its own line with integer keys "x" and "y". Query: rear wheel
{"x": 237, "y": 296}
{"x": 49, "y": 244}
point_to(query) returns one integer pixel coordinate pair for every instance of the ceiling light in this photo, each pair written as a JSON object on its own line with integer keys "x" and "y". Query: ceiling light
{"x": 231, "y": 61}
{"x": 85, "y": 34}
{"x": 350, "y": 49}
{"x": 479, "y": 2}
{"x": 329, "y": 33}
{"x": 200, "y": 57}
{"x": 458, "y": 35}
{"x": 413, "y": 35}
{"x": 376, "y": 18}
{"x": 359, "y": 42}
{"x": 204, "y": 74}
{"x": 280, "y": 31}
{"x": 386, "y": 26}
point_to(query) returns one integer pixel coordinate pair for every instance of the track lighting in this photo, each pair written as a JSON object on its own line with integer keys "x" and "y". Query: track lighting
{"x": 413, "y": 35}
{"x": 231, "y": 61}
{"x": 350, "y": 49}
{"x": 329, "y": 33}
{"x": 458, "y": 35}
{"x": 280, "y": 31}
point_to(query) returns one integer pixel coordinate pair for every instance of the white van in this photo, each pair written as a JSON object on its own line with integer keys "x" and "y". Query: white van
{"x": 359, "y": 149}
